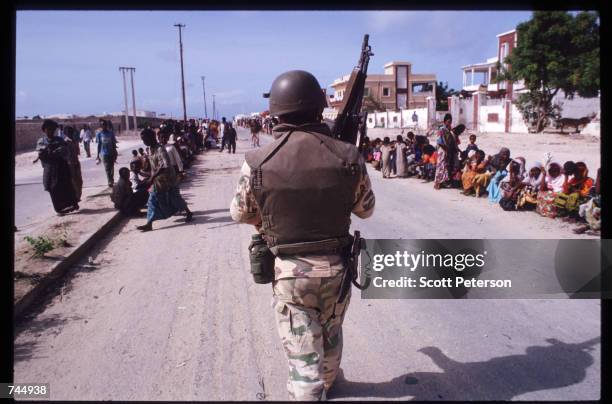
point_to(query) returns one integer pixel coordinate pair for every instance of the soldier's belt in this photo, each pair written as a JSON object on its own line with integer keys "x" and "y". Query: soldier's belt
{"x": 328, "y": 246}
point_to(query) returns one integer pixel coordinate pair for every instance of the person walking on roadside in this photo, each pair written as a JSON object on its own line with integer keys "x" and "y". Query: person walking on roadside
{"x": 72, "y": 141}
{"x": 53, "y": 154}
{"x": 255, "y": 129}
{"x": 230, "y": 138}
{"x": 107, "y": 148}
{"x": 86, "y": 137}
{"x": 222, "y": 132}
{"x": 165, "y": 199}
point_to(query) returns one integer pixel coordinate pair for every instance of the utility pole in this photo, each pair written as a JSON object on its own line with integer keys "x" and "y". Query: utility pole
{"x": 204, "y": 90}
{"x": 214, "y": 113}
{"x": 132, "y": 70}
{"x": 125, "y": 96}
{"x": 180, "y": 27}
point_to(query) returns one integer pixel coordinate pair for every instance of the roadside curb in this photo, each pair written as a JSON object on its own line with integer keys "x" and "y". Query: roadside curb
{"x": 60, "y": 268}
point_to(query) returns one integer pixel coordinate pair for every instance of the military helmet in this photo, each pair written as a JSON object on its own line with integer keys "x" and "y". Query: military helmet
{"x": 294, "y": 91}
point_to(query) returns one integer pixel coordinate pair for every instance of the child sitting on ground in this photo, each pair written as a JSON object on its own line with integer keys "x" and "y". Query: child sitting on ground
{"x": 427, "y": 165}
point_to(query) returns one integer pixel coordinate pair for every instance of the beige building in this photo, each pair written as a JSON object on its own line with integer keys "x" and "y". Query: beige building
{"x": 398, "y": 88}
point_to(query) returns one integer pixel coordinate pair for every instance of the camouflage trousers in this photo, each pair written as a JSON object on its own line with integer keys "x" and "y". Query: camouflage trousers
{"x": 310, "y": 333}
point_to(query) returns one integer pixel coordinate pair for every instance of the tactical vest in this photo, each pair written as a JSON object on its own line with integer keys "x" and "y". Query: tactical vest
{"x": 304, "y": 184}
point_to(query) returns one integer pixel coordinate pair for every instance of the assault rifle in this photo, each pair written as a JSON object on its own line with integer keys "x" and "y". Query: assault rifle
{"x": 350, "y": 120}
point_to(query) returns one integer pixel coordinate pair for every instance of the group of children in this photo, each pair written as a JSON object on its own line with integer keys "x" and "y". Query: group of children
{"x": 550, "y": 188}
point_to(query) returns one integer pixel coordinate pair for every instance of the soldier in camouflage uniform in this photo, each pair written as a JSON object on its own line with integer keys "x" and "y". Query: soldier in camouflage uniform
{"x": 307, "y": 284}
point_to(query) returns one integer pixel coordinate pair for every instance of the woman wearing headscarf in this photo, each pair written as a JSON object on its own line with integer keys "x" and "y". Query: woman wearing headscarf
{"x": 476, "y": 165}
{"x": 527, "y": 197}
{"x": 512, "y": 183}
{"x": 53, "y": 154}
{"x": 552, "y": 184}
{"x": 454, "y": 163}
{"x": 72, "y": 142}
{"x": 497, "y": 172}
{"x": 386, "y": 150}
{"x": 575, "y": 191}
{"x": 400, "y": 158}
{"x": 591, "y": 210}
{"x": 447, "y": 146}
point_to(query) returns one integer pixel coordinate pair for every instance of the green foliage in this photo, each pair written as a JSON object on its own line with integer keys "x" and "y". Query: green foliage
{"x": 528, "y": 104}
{"x": 442, "y": 94}
{"x": 556, "y": 50}
{"x": 371, "y": 104}
{"x": 40, "y": 244}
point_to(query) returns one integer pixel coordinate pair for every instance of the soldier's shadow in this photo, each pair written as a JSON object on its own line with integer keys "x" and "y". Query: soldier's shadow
{"x": 541, "y": 368}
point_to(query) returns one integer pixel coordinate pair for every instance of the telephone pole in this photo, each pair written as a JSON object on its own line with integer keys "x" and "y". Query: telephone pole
{"x": 204, "y": 90}
{"x": 180, "y": 27}
{"x": 214, "y": 113}
{"x": 132, "y": 70}
{"x": 125, "y": 97}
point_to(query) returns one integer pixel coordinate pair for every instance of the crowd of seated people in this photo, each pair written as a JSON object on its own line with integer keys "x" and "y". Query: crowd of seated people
{"x": 551, "y": 189}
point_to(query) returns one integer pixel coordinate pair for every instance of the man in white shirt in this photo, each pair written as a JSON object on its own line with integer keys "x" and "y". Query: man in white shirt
{"x": 86, "y": 137}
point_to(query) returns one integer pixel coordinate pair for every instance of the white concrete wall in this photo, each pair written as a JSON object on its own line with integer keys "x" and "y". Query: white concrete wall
{"x": 593, "y": 128}
{"x": 421, "y": 115}
{"x": 484, "y": 125}
{"x": 381, "y": 119}
{"x": 395, "y": 119}
{"x": 577, "y": 107}
{"x": 517, "y": 123}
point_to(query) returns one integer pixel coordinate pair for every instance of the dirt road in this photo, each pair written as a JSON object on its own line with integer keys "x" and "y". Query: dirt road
{"x": 174, "y": 315}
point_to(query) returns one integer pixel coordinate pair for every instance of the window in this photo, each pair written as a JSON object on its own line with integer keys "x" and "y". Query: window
{"x": 422, "y": 88}
{"x": 386, "y": 91}
{"x": 382, "y": 120}
{"x": 369, "y": 120}
{"x": 492, "y": 118}
{"x": 366, "y": 92}
{"x": 395, "y": 119}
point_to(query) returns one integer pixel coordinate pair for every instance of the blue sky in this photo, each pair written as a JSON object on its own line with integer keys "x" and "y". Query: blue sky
{"x": 67, "y": 61}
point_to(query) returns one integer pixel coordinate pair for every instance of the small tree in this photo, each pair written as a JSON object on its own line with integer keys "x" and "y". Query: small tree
{"x": 371, "y": 104}
{"x": 442, "y": 94}
{"x": 556, "y": 51}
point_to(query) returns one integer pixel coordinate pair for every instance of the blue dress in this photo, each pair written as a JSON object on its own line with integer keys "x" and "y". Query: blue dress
{"x": 494, "y": 188}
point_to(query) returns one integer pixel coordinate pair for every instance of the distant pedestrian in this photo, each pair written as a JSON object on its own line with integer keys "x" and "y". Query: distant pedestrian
{"x": 86, "y": 137}
{"x": 107, "y": 148}
{"x": 230, "y": 138}
{"x": 53, "y": 154}
{"x": 222, "y": 128}
{"x": 255, "y": 129}
{"x": 165, "y": 199}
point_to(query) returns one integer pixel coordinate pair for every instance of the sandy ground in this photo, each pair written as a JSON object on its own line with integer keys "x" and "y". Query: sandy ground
{"x": 174, "y": 315}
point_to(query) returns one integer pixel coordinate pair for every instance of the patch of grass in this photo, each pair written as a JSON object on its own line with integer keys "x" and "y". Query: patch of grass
{"x": 40, "y": 244}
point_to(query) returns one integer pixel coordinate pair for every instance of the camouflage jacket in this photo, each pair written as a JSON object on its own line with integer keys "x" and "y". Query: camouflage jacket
{"x": 244, "y": 209}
